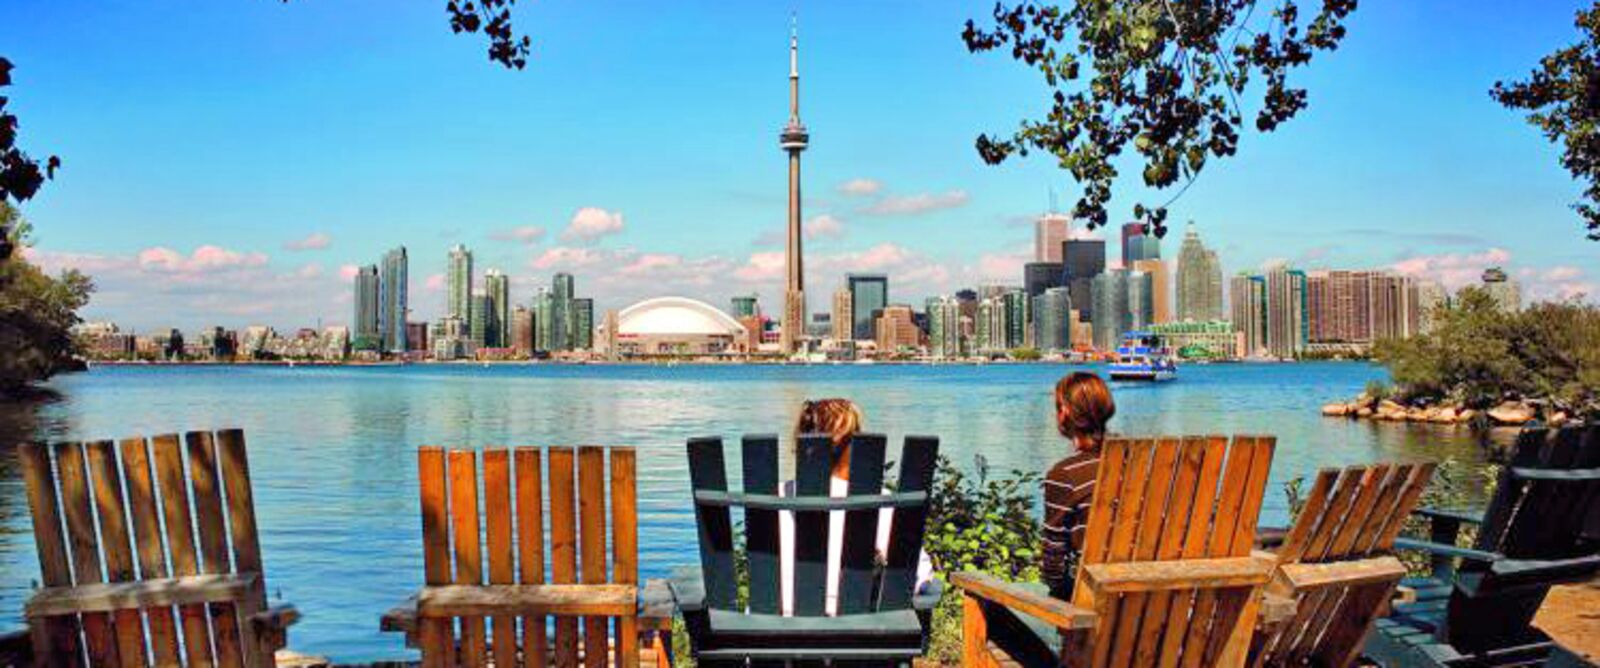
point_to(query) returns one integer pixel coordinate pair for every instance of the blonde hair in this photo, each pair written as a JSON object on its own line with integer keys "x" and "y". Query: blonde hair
{"x": 840, "y": 419}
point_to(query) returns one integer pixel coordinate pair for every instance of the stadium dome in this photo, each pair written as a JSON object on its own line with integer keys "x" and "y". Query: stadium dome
{"x": 677, "y": 326}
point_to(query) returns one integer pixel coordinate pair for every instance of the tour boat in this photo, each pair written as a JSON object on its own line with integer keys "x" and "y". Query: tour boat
{"x": 1143, "y": 356}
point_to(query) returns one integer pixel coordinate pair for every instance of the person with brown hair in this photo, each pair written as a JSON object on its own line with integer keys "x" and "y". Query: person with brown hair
{"x": 1083, "y": 407}
{"x": 840, "y": 420}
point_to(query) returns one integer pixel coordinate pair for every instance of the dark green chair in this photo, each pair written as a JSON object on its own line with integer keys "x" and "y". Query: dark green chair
{"x": 1541, "y": 529}
{"x": 882, "y": 620}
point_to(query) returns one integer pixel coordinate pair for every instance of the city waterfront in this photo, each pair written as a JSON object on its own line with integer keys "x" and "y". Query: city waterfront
{"x": 333, "y": 448}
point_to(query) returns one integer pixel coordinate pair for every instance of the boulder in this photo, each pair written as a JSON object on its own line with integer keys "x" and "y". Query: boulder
{"x": 1415, "y": 414}
{"x": 1443, "y": 415}
{"x": 1364, "y": 412}
{"x": 1336, "y": 410}
{"x": 1557, "y": 419}
{"x": 1390, "y": 410}
{"x": 1466, "y": 415}
{"x": 1512, "y": 413}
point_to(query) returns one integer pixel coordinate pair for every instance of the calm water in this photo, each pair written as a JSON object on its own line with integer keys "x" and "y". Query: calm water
{"x": 333, "y": 449}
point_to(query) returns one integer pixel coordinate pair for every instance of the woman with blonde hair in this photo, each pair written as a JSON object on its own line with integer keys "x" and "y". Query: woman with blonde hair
{"x": 1083, "y": 407}
{"x": 840, "y": 420}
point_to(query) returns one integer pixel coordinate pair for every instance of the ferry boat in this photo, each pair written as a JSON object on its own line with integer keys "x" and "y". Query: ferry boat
{"x": 1143, "y": 356}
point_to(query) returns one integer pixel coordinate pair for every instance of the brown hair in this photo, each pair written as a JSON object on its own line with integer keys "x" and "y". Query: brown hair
{"x": 1083, "y": 407}
{"x": 840, "y": 419}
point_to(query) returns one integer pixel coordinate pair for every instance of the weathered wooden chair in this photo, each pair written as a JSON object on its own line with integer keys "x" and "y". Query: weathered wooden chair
{"x": 1167, "y": 576}
{"x": 1337, "y": 564}
{"x": 458, "y": 618}
{"x": 881, "y": 620}
{"x": 1542, "y": 528}
{"x": 215, "y": 587}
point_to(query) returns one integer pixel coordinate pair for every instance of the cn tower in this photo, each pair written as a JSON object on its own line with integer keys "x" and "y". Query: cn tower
{"x": 793, "y": 139}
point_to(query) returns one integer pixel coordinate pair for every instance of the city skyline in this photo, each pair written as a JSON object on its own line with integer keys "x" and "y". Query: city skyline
{"x": 702, "y": 215}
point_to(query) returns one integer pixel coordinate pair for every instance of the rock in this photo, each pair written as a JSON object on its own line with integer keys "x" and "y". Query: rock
{"x": 1511, "y": 413}
{"x": 1364, "y": 412}
{"x": 1336, "y": 410}
{"x": 1466, "y": 415}
{"x": 1415, "y": 414}
{"x": 1558, "y": 419}
{"x": 1444, "y": 415}
{"x": 1390, "y": 410}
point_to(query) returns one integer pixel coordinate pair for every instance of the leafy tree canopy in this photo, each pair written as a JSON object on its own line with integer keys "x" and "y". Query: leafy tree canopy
{"x": 1562, "y": 97}
{"x": 1165, "y": 75}
{"x": 37, "y": 314}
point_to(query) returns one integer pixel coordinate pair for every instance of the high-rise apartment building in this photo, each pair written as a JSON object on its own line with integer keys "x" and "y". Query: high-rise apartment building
{"x": 869, "y": 294}
{"x": 1199, "y": 280}
{"x": 1505, "y": 291}
{"x": 582, "y": 323}
{"x": 896, "y": 329}
{"x": 1248, "y": 296}
{"x": 1040, "y": 276}
{"x": 562, "y": 290}
{"x": 480, "y": 321}
{"x": 1360, "y": 307}
{"x": 393, "y": 301}
{"x": 1123, "y": 302}
{"x": 1288, "y": 327}
{"x": 497, "y": 331}
{"x": 522, "y": 331}
{"x": 1160, "y": 289}
{"x": 458, "y": 284}
{"x": 367, "y": 307}
{"x": 1136, "y": 245}
{"x": 1084, "y": 259}
{"x": 843, "y": 320}
{"x": 1431, "y": 297}
{"x": 1052, "y": 320}
{"x": 944, "y": 328}
{"x": 1049, "y": 232}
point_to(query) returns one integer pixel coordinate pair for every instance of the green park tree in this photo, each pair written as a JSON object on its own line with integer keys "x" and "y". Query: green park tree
{"x": 37, "y": 313}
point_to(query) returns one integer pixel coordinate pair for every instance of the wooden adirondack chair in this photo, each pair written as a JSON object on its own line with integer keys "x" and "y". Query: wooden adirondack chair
{"x": 1167, "y": 577}
{"x": 1336, "y": 563}
{"x": 881, "y": 620}
{"x": 1542, "y": 528}
{"x": 208, "y": 603}
{"x": 460, "y": 619}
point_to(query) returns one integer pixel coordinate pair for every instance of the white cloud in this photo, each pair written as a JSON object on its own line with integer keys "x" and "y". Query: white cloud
{"x": 590, "y": 224}
{"x": 861, "y": 187}
{"x": 911, "y": 205}
{"x": 313, "y": 241}
{"x": 523, "y": 234}
{"x": 1453, "y": 270}
{"x": 824, "y": 227}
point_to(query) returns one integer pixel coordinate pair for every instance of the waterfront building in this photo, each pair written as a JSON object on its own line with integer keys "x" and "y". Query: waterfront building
{"x": 869, "y": 294}
{"x": 1136, "y": 245}
{"x": 1052, "y": 320}
{"x": 1212, "y": 339}
{"x": 1360, "y": 307}
{"x": 451, "y": 339}
{"x": 393, "y": 301}
{"x": 417, "y": 337}
{"x": 1506, "y": 291}
{"x": 544, "y": 320}
{"x": 896, "y": 329}
{"x": 1248, "y": 296}
{"x": 1160, "y": 289}
{"x": 497, "y": 287}
{"x": 743, "y": 306}
{"x": 1288, "y": 328}
{"x": 1431, "y": 297}
{"x": 522, "y": 331}
{"x": 1040, "y": 276}
{"x": 820, "y": 325}
{"x": 944, "y": 328}
{"x": 793, "y": 139}
{"x": 563, "y": 287}
{"x": 366, "y": 308}
{"x": 1050, "y": 231}
{"x": 480, "y": 321}
{"x": 674, "y": 327}
{"x": 1083, "y": 260}
{"x": 608, "y": 335}
{"x": 1394, "y": 307}
{"x": 458, "y": 284}
{"x": 1123, "y": 301}
{"x": 582, "y": 323}
{"x": 843, "y": 315}
{"x": 1199, "y": 280}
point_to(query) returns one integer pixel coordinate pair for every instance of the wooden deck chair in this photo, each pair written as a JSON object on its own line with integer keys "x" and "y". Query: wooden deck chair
{"x": 1542, "y": 528}
{"x": 1337, "y": 564}
{"x": 472, "y": 616}
{"x": 207, "y": 603}
{"x": 1167, "y": 576}
{"x": 881, "y": 620}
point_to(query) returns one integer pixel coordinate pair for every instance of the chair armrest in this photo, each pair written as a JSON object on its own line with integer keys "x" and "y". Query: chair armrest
{"x": 1147, "y": 576}
{"x": 655, "y": 606}
{"x": 927, "y": 596}
{"x": 402, "y": 618}
{"x": 1463, "y": 516}
{"x": 276, "y": 618}
{"x": 1444, "y": 550}
{"x": 688, "y": 591}
{"x": 1055, "y": 612}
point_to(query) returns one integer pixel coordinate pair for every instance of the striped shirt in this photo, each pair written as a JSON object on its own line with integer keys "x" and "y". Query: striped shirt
{"x": 1068, "y": 490}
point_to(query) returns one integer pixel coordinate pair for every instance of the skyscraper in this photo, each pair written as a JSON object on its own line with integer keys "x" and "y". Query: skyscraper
{"x": 393, "y": 304}
{"x": 544, "y": 309}
{"x": 1084, "y": 259}
{"x": 1136, "y": 245}
{"x": 793, "y": 140}
{"x": 582, "y": 323}
{"x": 944, "y": 328}
{"x": 1052, "y": 320}
{"x": 1160, "y": 289}
{"x": 1040, "y": 276}
{"x": 869, "y": 294}
{"x": 843, "y": 319}
{"x": 522, "y": 331}
{"x": 896, "y": 329}
{"x": 1109, "y": 296}
{"x": 458, "y": 284}
{"x": 1507, "y": 293}
{"x": 1248, "y": 295}
{"x": 367, "y": 307}
{"x": 1199, "y": 284}
{"x": 497, "y": 331}
{"x": 1049, "y": 232}
{"x": 1287, "y": 324}
{"x": 480, "y": 321}
{"x": 562, "y": 289}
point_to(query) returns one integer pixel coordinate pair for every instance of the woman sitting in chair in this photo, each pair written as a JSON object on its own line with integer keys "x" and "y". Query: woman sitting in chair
{"x": 841, "y": 420}
{"x": 1083, "y": 407}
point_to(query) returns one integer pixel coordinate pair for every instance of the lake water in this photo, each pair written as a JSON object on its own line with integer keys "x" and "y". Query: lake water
{"x": 333, "y": 450}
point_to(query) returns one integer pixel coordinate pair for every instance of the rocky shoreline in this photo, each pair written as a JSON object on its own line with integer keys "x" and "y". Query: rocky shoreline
{"x": 1507, "y": 413}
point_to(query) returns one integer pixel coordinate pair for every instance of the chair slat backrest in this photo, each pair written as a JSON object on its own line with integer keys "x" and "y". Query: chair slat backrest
{"x": 1351, "y": 515}
{"x": 112, "y": 512}
{"x": 863, "y": 587}
{"x": 1171, "y": 499}
{"x": 487, "y": 526}
{"x": 1546, "y": 507}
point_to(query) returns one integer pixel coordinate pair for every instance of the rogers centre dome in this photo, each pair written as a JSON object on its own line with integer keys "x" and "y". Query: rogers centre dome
{"x": 677, "y": 326}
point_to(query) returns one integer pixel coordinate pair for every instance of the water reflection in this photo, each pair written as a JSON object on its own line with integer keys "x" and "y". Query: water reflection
{"x": 333, "y": 450}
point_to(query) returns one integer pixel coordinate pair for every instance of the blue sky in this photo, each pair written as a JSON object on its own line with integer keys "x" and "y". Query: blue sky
{"x": 227, "y": 162}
